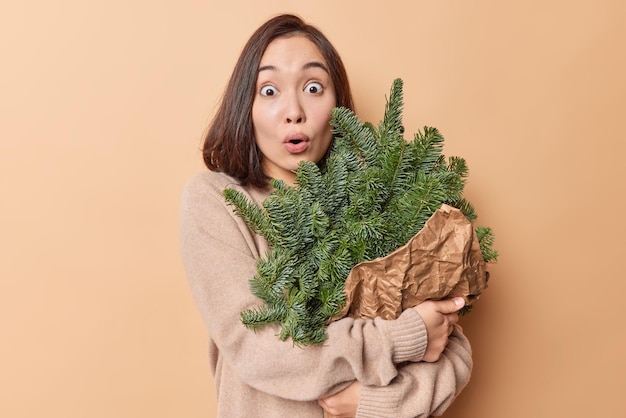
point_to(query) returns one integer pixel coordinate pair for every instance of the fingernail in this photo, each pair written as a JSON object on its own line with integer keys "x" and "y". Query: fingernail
{"x": 459, "y": 302}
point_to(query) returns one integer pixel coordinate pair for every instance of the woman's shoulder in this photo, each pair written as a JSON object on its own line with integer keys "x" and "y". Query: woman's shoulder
{"x": 208, "y": 186}
{"x": 207, "y": 181}
{"x": 211, "y": 183}
{"x": 204, "y": 210}
{"x": 203, "y": 191}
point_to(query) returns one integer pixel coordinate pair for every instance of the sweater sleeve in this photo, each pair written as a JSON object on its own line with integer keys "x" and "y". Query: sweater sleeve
{"x": 218, "y": 252}
{"x": 421, "y": 389}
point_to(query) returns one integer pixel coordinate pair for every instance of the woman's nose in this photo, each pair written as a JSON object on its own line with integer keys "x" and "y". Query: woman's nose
{"x": 294, "y": 112}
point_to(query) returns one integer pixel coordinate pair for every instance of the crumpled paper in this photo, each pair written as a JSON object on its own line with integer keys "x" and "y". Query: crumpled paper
{"x": 442, "y": 260}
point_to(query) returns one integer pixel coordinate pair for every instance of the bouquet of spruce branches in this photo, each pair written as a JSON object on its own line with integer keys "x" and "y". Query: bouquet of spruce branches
{"x": 381, "y": 219}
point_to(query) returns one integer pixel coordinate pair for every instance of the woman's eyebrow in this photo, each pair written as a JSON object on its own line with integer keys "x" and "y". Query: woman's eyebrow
{"x": 315, "y": 64}
{"x": 312, "y": 64}
{"x": 267, "y": 68}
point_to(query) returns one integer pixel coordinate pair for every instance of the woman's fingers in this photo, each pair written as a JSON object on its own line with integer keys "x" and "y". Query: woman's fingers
{"x": 439, "y": 318}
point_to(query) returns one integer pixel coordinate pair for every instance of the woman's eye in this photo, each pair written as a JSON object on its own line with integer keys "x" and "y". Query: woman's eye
{"x": 268, "y": 91}
{"x": 314, "y": 88}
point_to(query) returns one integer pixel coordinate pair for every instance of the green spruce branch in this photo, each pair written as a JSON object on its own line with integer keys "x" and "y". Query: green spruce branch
{"x": 370, "y": 196}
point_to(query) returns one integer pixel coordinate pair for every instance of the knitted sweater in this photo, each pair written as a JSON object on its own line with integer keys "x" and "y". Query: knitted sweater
{"x": 257, "y": 375}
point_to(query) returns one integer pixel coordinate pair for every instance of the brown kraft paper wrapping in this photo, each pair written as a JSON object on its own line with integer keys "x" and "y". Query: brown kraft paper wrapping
{"x": 442, "y": 260}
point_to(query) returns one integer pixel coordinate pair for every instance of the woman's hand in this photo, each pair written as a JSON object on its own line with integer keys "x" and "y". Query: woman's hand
{"x": 439, "y": 318}
{"x": 343, "y": 404}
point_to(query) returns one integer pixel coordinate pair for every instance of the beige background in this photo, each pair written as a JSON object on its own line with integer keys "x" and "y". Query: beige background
{"x": 102, "y": 106}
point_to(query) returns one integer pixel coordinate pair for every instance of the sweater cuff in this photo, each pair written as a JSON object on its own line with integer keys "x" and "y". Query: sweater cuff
{"x": 378, "y": 402}
{"x": 409, "y": 337}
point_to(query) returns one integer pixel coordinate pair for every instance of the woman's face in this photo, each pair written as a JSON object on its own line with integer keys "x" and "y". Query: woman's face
{"x": 292, "y": 103}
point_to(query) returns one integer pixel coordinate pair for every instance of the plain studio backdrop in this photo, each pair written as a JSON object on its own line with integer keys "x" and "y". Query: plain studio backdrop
{"x": 102, "y": 108}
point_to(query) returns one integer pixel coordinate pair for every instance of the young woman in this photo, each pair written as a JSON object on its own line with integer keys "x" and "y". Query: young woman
{"x": 274, "y": 113}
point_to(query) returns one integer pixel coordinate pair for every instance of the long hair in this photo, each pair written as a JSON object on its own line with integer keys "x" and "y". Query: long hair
{"x": 229, "y": 144}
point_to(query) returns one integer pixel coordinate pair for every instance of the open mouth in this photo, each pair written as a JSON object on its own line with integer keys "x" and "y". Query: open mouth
{"x": 296, "y": 143}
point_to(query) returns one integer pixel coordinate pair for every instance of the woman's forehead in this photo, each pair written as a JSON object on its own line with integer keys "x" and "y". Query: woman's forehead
{"x": 297, "y": 50}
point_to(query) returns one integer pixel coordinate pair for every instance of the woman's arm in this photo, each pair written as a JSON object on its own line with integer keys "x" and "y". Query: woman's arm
{"x": 420, "y": 389}
{"x": 219, "y": 254}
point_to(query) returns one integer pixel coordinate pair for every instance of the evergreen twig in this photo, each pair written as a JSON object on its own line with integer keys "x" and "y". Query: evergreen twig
{"x": 371, "y": 195}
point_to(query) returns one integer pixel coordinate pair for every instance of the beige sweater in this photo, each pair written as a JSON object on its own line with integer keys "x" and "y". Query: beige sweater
{"x": 257, "y": 375}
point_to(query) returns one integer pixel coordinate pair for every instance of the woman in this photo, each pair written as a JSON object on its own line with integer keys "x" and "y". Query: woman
{"x": 274, "y": 113}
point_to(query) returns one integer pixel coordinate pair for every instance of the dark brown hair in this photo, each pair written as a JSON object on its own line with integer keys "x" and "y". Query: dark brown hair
{"x": 229, "y": 145}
